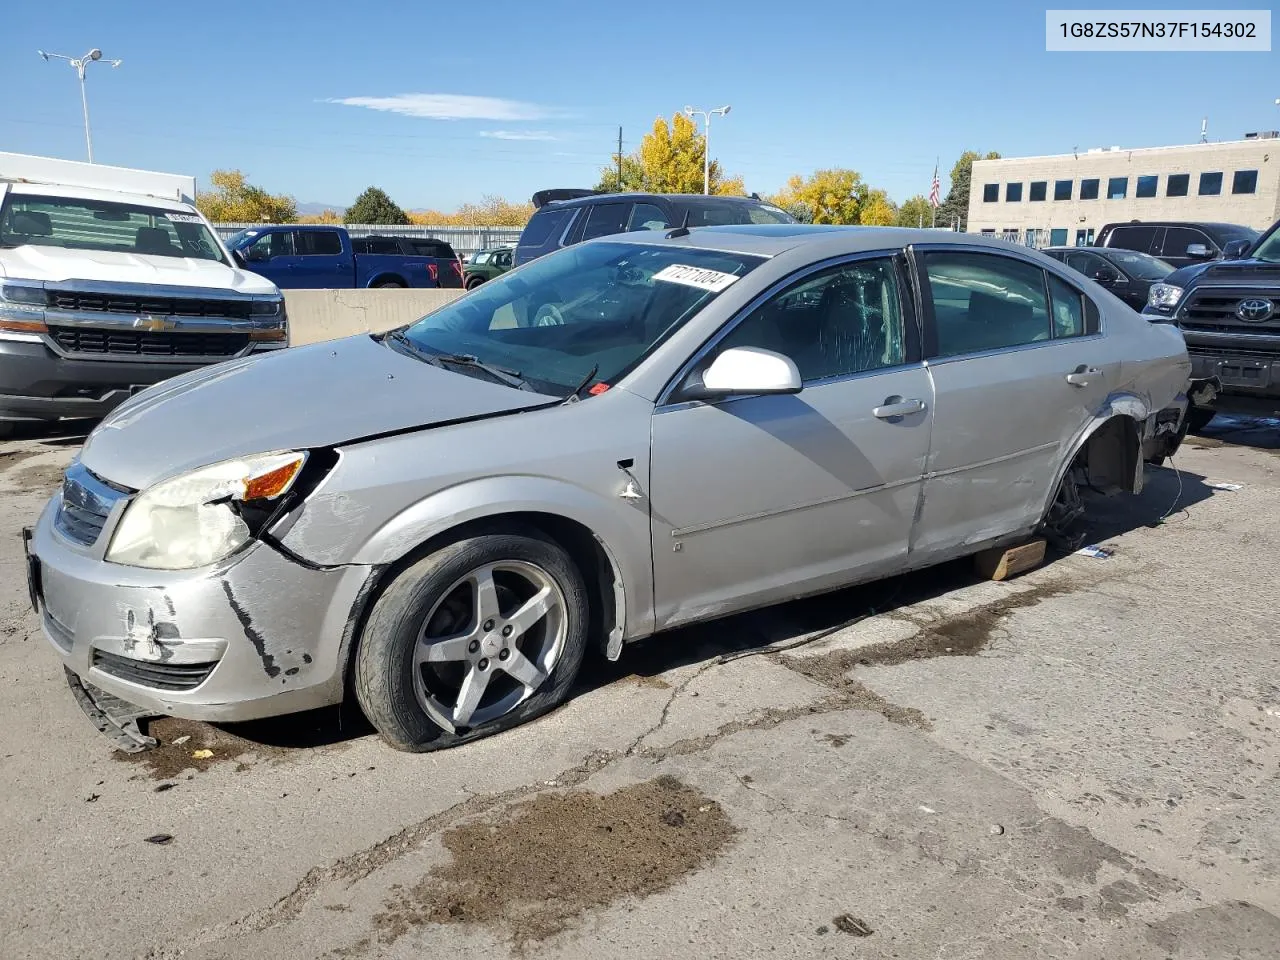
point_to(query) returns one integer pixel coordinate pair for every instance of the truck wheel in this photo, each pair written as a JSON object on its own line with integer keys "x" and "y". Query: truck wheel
{"x": 383, "y": 284}
{"x": 1199, "y": 417}
{"x": 473, "y": 282}
{"x": 478, "y": 637}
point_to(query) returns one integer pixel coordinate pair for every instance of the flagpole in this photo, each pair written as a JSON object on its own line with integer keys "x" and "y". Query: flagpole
{"x": 933, "y": 219}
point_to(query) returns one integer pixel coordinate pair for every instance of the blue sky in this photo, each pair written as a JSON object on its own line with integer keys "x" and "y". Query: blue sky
{"x": 534, "y": 93}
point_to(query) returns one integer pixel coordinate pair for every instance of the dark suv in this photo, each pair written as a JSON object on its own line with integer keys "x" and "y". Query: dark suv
{"x": 566, "y": 217}
{"x": 1177, "y": 242}
{"x": 1229, "y": 314}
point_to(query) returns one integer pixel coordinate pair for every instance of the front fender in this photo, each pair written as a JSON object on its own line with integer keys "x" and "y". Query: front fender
{"x": 620, "y": 526}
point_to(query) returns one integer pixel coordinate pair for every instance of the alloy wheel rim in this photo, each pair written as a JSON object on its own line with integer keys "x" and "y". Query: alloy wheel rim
{"x": 489, "y": 643}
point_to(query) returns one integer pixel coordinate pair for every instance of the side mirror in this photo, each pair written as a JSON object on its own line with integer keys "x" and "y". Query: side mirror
{"x": 1198, "y": 251}
{"x": 744, "y": 371}
{"x": 1236, "y": 250}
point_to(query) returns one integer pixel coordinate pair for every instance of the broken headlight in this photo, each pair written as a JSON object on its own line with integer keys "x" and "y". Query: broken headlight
{"x": 1164, "y": 296}
{"x": 199, "y": 518}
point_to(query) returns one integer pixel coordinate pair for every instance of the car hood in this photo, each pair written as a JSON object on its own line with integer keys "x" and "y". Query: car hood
{"x": 321, "y": 395}
{"x": 59, "y": 264}
{"x": 1226, "y": 273}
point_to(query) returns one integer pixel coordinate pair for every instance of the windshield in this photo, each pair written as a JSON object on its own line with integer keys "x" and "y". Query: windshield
{"x": 1143, "y": 266}
{"x": 1270, "y": 249}
{"x": 594, "y": 306}
{"x": 79, "y": 224}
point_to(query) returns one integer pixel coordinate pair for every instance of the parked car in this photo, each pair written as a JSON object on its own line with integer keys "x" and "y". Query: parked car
{"x": 486, "y": 264}
{"x": 316, "y": 256}
{"x": 110, "y": 281}
{"x": 1176, "y": 242}
{"x": 1126, "y": 273}
{"x": 569, "y": 216}
{"x": 1229, "y": 313}
{"x": 626, "y": 436}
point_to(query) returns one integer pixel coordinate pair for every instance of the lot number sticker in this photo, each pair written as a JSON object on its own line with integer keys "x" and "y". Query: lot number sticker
{"x": 703, "y": 279}
{"x": 183, "y": 218}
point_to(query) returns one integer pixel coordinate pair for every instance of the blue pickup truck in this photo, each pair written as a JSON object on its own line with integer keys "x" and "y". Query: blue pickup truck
{"x": 329, "y": 258}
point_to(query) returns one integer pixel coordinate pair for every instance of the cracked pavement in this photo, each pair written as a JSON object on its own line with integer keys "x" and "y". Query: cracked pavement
{"x": 1083, "y": 762}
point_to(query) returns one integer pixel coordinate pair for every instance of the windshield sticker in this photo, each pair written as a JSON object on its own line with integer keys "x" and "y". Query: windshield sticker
{"x": 183, "y": 218}
{"x": 699, "y": 277}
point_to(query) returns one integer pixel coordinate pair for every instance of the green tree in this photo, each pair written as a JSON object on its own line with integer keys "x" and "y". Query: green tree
{"x": 830, "y": 196}
{"x": 877, "y": 210}
{"x": 669, "y": 160}
{"x": 955, "y": 209}
{"x": 234, "y": 200}
{"x": 915, "y": 212}
{"x": 374, "y": 206}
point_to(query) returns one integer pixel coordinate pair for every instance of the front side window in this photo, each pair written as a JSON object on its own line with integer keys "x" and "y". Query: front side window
{"x": 990, "y": 192}
{"x": 106, "y": 225}
{"x": 1210, "y": 184}
{"x": 319, "y": 243}
{"x": 1062, "y": 189}
{"x": 1146, "y": 187}
{"x": 647, "y": 216}
{"x": 1013, "y": 192}
{"x": 1244, "y": 181}
{"x": 480, "y": 257}
{"x": 840, "y": 321}
{"x": 1089, "y": 189}
{"x": 1178, "y": 239}
{"x": 983, "y": 301}
{"x": 594, "y": 307}
{"x": 278, "y": 243}
{"x": 1038, "y": 188}
{"x": 1117, "y": 188}
{"x": 1177, "y": 184}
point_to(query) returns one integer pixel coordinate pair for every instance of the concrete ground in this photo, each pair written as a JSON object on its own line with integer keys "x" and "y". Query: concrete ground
{"x": 1079, "y": 763}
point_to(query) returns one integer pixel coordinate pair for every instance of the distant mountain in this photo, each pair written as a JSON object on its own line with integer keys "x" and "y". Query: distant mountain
{"x": 311, "y": 209}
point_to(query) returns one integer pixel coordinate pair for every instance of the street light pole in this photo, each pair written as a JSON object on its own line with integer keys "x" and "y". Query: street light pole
{"x": 81, "y": 63}
{"x": 706, "y": 140}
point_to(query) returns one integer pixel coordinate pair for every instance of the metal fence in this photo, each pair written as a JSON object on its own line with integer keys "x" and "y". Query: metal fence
{"x": 465, "y": 240}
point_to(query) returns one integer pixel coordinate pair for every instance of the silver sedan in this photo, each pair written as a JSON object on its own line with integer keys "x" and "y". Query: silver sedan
{"x": 628, "y": 435}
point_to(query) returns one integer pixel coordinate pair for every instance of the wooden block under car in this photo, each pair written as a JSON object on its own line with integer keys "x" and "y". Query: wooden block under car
{"x": 1002, "y": 563}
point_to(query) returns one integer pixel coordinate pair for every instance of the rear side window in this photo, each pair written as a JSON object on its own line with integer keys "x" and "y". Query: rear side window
{"x": 543, "y": 225}
{"x": 378, "y": 245}
{"x": 1132, "y": 238}
{"x": 983, "y": 301}
{"x": 318, "y": 243}
{"x": 1068, "y": 308}
{"x": 606, "y": 218}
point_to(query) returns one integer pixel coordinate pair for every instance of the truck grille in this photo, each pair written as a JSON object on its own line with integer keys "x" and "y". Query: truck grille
{"x": 86, "y": 503}
{"x": 1213, "y": 310}
{"x": 139, "y": 343}
{"x": 162, "y": 676}
{"x": 137, "y": 306}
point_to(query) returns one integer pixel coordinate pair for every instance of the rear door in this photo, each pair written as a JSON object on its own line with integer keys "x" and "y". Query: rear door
{"x": 1019, "y": 368}
{"x": 322, "y": 260}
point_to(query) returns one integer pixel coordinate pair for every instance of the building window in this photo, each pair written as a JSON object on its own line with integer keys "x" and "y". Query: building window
{"x": 1177, "y": 184}
{"x": 1013, "y": 192}
{"x": 1089, "y": 189}
{"x": 1080, "y": 238}
{"x": 1058, "y": 238}
{"x": 1117, "y": 188}
{"x": 1010, "y": 234}
{"x": 1146, "y": 187}
{"x": 990, "y": 193}
{"x": 1038, "y": 188}
{"x": 1210, "y": 184}
{"x": 989, "y": 233}
{"x": 1244, "y": 181}
{"x": 1033, "y": 237}
{"x": 1062, "y": 189}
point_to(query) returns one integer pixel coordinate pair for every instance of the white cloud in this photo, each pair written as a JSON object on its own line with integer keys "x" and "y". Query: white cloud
{"x": 518, "y": 135}
{"x": 450, "y": 106}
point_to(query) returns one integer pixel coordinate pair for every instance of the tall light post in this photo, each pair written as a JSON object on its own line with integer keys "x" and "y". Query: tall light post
{"x": 706, "y": 139}
{"x": 80, "y": 63}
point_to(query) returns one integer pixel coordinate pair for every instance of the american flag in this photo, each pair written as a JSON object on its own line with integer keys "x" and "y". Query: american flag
{"x": 935, "y": 191}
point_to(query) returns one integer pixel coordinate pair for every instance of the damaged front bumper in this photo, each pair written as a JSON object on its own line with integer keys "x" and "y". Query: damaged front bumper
{"x": 260, "y": 636}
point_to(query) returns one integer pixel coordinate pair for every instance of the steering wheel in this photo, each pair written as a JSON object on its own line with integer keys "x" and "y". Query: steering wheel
{"x": 548, "y": 315}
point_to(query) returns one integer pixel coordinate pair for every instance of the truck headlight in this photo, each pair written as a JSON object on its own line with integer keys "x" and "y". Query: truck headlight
{"x": 22, "y": 306}
{"x": 198, "y": 518}
{"x": 1164, "y": 296}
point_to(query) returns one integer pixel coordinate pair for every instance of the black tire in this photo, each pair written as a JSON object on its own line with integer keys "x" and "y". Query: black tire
{"x": 7, "y": 429}
{"x": 1199, "y": 417}
{"x": 383, "y": 670}
{"x": 385, "y": 284}
{"x": 473, "y": 282}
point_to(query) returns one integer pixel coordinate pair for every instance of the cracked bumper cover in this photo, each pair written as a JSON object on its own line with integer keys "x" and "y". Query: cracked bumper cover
{"x": 271, "y": 634}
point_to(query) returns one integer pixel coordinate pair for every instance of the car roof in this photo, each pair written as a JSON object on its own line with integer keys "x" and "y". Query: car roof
{"x": 693, "y": 199}
{"x": 67, "y": 192}
{"x": 772, "y": 239}
{"x": 1206, "y": 224}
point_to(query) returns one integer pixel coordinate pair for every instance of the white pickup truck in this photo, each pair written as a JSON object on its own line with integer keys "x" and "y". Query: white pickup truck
{"x": 111, "y": 281}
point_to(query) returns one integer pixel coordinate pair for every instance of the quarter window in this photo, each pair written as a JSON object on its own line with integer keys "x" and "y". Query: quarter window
{"x": 1244, "y": 181}
{"x": 990, "y": 192}
{"x": 983, "y": 301}
{"x": 1117, "y": 188}
{"x": 1210, "y": 184}
{"x": 1089, "y": 189}
{"x": 1146, "y": 187}
{"x": 1013, "y": 193}
{"x": 1177, "y": 184}
{"x": 542, "y": 225}
{"x": 1038, "y": 188}
{"x": 1062, "y": 189}
{"x": 840, "y": 321}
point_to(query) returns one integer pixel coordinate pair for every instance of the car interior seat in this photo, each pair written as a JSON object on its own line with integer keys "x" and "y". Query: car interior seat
{"x": 153, "y": 240}
{"x": 30, "y": 223}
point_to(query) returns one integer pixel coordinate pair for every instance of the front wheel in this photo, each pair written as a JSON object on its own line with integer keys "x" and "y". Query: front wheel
{"x": 478, "y": 637}
{"x": 473, "y": 282}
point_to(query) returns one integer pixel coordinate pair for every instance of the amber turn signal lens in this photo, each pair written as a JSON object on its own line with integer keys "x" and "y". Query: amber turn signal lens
{"x": 270, "y": 485}
{"x": 267, "y": 334}
{"x": 24, "y": 326}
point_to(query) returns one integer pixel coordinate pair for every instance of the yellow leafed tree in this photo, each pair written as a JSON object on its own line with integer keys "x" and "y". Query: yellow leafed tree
{"x": 491, "y": 211}
{"x": 828, "y": 196}
{"x": 234, "y": 200}
{"x": 669, "y": 160}
{"x": 877, "y": 210}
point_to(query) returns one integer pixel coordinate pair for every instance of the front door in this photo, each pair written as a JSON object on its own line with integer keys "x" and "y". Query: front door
{"x": 1019, "y": 369}
{"x": 758, "y": 499}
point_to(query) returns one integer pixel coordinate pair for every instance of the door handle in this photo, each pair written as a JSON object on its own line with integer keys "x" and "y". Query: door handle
{"x": 894, "y": 407}
{"x": 1081, "y": 376}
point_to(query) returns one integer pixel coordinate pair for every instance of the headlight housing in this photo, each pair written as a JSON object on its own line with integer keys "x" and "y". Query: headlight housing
{"x": 1164, "y": 296}
{"x": 199, "y": 518}
{"x": 22, "y": 305}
